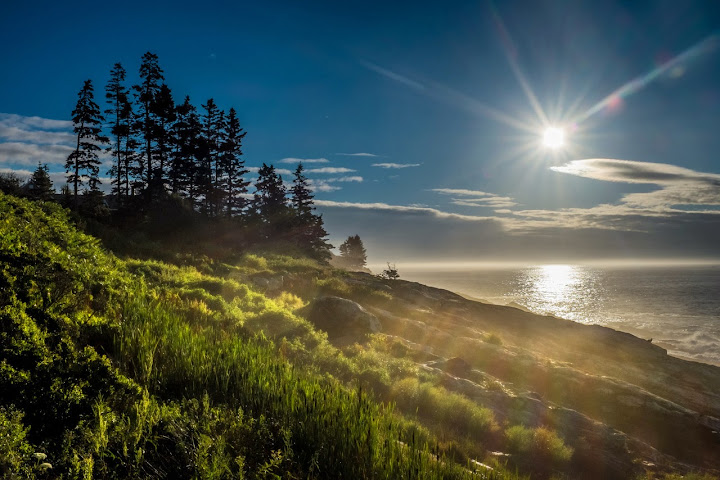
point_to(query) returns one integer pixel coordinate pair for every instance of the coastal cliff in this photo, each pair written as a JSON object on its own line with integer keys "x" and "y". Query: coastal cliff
{"x": 163, "y": 363}
{"x": 622, "y": 400}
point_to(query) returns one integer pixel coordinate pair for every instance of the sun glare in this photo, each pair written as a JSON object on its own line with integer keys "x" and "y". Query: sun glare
{"x": 554, "y": 138}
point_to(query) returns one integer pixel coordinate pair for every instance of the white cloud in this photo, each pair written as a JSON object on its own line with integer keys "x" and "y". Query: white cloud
{"x": 379, "y": 206}
{"x": 678, "y": 186}
{"x": 461, "y": 192}
{"x": 35, "y": 130}
{"x": 476, "y": 198}
{"x": 492, "y": 202}
{"x": 331, "y": 170}
{"x": 354, "y": 178}
{"x": 304, "y": 160}
{"x": 29, "y": 123}
{"x": 361, "y": 154}
{"x": 322, "y": 186}
{"x": 395, "y": 165}
{"x": 31, "y": 154}
{"x": 628, "y": 171}
{"x": 16, "y": 134}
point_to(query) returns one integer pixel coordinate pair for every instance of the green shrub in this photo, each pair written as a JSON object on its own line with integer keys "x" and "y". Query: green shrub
{"x": 537, "y": 445}
{"x": 16, "y": 454}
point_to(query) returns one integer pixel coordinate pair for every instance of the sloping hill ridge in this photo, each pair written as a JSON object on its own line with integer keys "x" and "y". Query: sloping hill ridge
{"x": 612, "y": 395}
{"x": 267, "y": 366}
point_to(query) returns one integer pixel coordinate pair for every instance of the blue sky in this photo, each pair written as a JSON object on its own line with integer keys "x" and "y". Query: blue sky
{"x": 458, "y": 94}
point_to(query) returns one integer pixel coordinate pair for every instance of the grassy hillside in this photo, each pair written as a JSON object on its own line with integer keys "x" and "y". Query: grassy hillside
{"x": 138, "y": 369}
{"x": 205, "y": 366}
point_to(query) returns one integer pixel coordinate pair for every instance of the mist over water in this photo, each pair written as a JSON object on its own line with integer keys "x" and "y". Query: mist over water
{"x": 678, "y": 307}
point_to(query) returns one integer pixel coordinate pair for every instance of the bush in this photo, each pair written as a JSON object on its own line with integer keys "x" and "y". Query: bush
{"x": 15, "y": 452}
{"x": 537, "y": 445}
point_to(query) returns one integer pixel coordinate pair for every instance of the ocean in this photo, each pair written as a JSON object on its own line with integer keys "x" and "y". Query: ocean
{"x": 677, "y": 306}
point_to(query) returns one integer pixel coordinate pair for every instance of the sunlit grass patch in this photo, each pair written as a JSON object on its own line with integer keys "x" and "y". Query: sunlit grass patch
{"x": 537, "y": 444}
{"x": 451, "y": 410}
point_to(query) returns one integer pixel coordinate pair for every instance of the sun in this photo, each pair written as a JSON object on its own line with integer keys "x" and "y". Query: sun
{"x": 553, "y": 138}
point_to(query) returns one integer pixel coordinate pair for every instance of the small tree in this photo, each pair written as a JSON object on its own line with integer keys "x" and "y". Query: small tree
{"x": 390, "y": 273}
{"x": 10, "y": 184}
{"x": 41, "y": 187}
{"x": 353, "y": 253}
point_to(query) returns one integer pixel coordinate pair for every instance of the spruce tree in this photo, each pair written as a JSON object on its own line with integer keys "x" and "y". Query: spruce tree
{"x": 41, "y": 187}
{"x": 212, "y": 126}
{"x": 233, "y": 184}
{"x": 353, "y": 253}
{"x": 308, "y": 231}
{"x": 165, "y": 114}
{"x": 151, "y": 76}
{"x": 83, "y": 162}
{"x": 269, "y": 204}
{"x": 120, "y": 115}
{"x": 183, "y": 174}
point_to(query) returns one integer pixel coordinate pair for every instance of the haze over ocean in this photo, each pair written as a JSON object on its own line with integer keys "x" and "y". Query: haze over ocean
{"x": 677, "y": 306}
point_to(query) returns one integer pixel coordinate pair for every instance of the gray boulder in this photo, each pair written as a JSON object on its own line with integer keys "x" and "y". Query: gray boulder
{"x": 340, "y": 317}
{"x": 268, "y": 283}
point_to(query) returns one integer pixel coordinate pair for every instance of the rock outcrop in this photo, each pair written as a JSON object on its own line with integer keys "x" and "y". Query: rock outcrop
{"x": 342, "y": 319}
{"x": 614, "y": 396}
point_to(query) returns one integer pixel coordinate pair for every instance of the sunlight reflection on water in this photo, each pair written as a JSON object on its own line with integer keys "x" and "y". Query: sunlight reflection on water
{"x": 560, "y": 290}
{"x": 679, "y": 307}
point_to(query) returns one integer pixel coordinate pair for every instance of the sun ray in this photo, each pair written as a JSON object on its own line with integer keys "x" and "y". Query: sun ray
{"x": 519, "y": 76}
{"x": 708, "y": 44}
{"x": 450, "y": 96}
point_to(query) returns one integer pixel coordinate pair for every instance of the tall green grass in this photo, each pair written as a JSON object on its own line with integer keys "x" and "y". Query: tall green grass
{"x": 140, "y": 369}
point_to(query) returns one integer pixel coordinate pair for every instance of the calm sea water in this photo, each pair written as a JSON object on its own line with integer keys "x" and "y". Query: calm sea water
{"x": 678, "y": 307}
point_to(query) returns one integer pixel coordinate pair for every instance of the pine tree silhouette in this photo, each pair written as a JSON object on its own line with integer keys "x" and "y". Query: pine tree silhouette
{"x": 353, "y": 253}
{"x": 146, "y": 120}
{"x": 232, "y": 164}
{"x": 308, "y": 231}
{"x": 41, "y": 187}
{"x": 83, "y": 162}
{"x": 269, "y": 203}
{"x": 120, "y": 115}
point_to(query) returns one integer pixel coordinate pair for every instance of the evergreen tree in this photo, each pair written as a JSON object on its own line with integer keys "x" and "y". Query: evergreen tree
{"x": 308, "y": 231}
{"x": 66, "y": 196}
{"x": 83, "y": 162}
{"x": 120, "y": 115}
{"x": 212, "y": 127}
{"x": 145, "y": 124}
{"x": 165, "y": 114}
{"x": 233, "y": 184}
{"x": 184, "y": 164}
{"x": 10, "y": 184}
{"x": 353, "y": 253}
{"x": 269, "y": 205}
{"x": 41, "y": 187}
